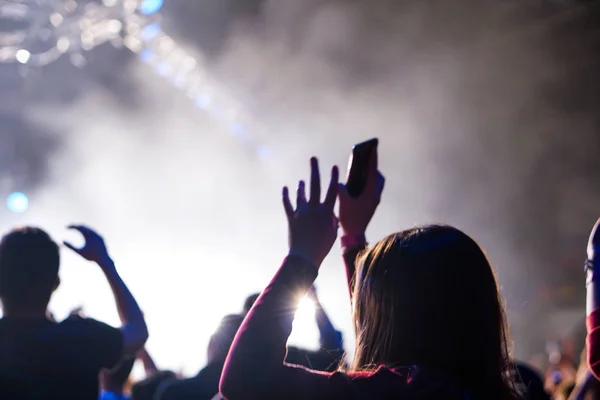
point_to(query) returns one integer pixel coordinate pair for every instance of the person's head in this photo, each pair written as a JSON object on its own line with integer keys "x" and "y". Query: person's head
{"x": 249, "y": 302}
{"x": 116, "y": 379}
{"x": 428, "y": 296}
{"x": 532, "y": 382}
{"x": 221, "y": 340}
{"x": 29, "y": 261}
{"x": 148, "y": 388}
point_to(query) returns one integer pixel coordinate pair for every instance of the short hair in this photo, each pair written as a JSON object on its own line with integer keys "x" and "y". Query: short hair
{"x": 148, "y": 388}
{"x": 29, "y": 262}
{"x": 221, "y": 340}
{"x": 249, "y": 302}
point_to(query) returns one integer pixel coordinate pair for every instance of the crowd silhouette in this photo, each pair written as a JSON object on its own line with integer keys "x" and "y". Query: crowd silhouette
{"x": 427, "y": 311}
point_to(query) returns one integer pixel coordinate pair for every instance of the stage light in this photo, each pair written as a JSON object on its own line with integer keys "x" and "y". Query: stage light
{"x": 17, "y": 203}
{"x": 71, "y": 29}
{"x": 305, "y": 333}
{"x": 23, "y": 56}
{"x": 149, "y": 7}
{"x": 146, "y": 56}
{"x": 151, "y": 31}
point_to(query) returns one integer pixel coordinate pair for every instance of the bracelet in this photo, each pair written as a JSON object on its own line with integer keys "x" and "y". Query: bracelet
{"x": 349, "y": 241}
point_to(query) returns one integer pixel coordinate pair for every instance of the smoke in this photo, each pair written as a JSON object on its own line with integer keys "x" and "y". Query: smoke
{"x": 468, "y": 99}
{"x": 457, "y": 92}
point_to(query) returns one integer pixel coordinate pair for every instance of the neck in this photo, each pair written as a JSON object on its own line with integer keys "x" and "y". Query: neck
{"x": 20, "y": 312}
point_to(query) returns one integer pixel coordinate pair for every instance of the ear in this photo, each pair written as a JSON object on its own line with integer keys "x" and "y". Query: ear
{"x": 56, "y": 284}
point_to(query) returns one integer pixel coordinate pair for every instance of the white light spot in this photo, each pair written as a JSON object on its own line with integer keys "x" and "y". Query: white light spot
{"x": 23, "y": 56}
{"x": 17, "y": 203}
{"x": 56, "y": 19}
{"x": 63, "y": 44}
{"x": 114, "y": 26}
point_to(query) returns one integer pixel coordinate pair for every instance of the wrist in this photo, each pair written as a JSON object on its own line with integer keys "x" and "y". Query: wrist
{"x": 303, "y": 255}
{"x": 106, "y": 263}
{"x": 352, "y": 240}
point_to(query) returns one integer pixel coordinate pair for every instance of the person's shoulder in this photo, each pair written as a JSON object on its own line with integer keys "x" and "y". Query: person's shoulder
{"x": 95, "y": 330}
{"x": 180, "y": 388}
{"x": 84, "y": 323}
{"x": 410, "y": 382}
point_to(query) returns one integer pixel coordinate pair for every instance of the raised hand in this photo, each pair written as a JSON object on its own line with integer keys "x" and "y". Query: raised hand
{"x": 94, "y": 248}
{"x": 593, "y": 248}
{"x": 312, "y": 225}
{"x": 357, "y": 212}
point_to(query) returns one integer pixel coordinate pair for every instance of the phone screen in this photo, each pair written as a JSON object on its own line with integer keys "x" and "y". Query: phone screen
{"x": 359, "y": 164}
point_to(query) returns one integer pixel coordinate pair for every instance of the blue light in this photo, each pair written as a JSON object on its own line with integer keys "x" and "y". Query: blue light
{"x": 150, "y": 32}
{"x": 17, "y": 203}
{"x": 149, "y": 7}
{"x": 146, "y": 55}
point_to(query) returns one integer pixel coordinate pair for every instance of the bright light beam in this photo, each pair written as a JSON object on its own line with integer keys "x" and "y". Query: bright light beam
{"x": 305, "y": 334}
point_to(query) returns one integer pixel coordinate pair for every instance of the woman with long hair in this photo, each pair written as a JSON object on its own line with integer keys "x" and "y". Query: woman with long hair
{"x": 428, "y": 315}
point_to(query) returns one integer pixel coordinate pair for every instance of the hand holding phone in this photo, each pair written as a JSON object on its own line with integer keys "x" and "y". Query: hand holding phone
{"x": 362, "y": 161}
{"x": 361, "y": 194}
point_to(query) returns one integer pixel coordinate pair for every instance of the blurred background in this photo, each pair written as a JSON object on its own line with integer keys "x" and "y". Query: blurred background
{"x": 170, "y": 127}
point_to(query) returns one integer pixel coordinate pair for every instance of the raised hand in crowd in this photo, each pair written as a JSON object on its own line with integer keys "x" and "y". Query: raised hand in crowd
{"x": 133, "y": 328}
{"x": 355, "y": 214}
{"x": 312, "y": 225}
{"x": 43, "y": 358}
{"x": 94, "y": 248}
{"x": 150, "y": 367}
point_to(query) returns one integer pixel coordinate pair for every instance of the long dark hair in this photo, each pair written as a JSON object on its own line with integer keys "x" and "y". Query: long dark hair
{"x": 428, "y": 296}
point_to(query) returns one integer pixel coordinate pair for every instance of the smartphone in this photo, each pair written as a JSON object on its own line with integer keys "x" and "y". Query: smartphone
{"x": 358, "y": 170}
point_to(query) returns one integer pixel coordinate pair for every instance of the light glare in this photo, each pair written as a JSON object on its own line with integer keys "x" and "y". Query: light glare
{"x": 23, "y": 56}
{"x": 17, "y": 203}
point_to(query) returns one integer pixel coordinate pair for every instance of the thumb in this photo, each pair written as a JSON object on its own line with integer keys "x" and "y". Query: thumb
{"x": 70, "y": 246}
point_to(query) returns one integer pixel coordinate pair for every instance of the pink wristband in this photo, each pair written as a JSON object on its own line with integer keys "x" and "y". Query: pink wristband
{"x": 349, "y": 241}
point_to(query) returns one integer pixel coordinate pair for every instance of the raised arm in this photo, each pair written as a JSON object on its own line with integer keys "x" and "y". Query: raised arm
{"x": 331, "y": 339}
{"x": 593, "y": 300}
{"x": 255, "y": 365}
{"x": 355, "y": 215}
{"x": 133, "y": 325}
{"x": 150, "y": 367}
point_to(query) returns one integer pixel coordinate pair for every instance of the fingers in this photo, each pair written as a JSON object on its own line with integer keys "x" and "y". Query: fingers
{"x": 79, "y": 228}
{"x": 70, "y": 246}
{"x": 332, "y": 191}
{"x": 315, "y": 182}
{"x": 287, "y": 204}
{"x": 300, "y": 195}
{"x": 84, "y": 230}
